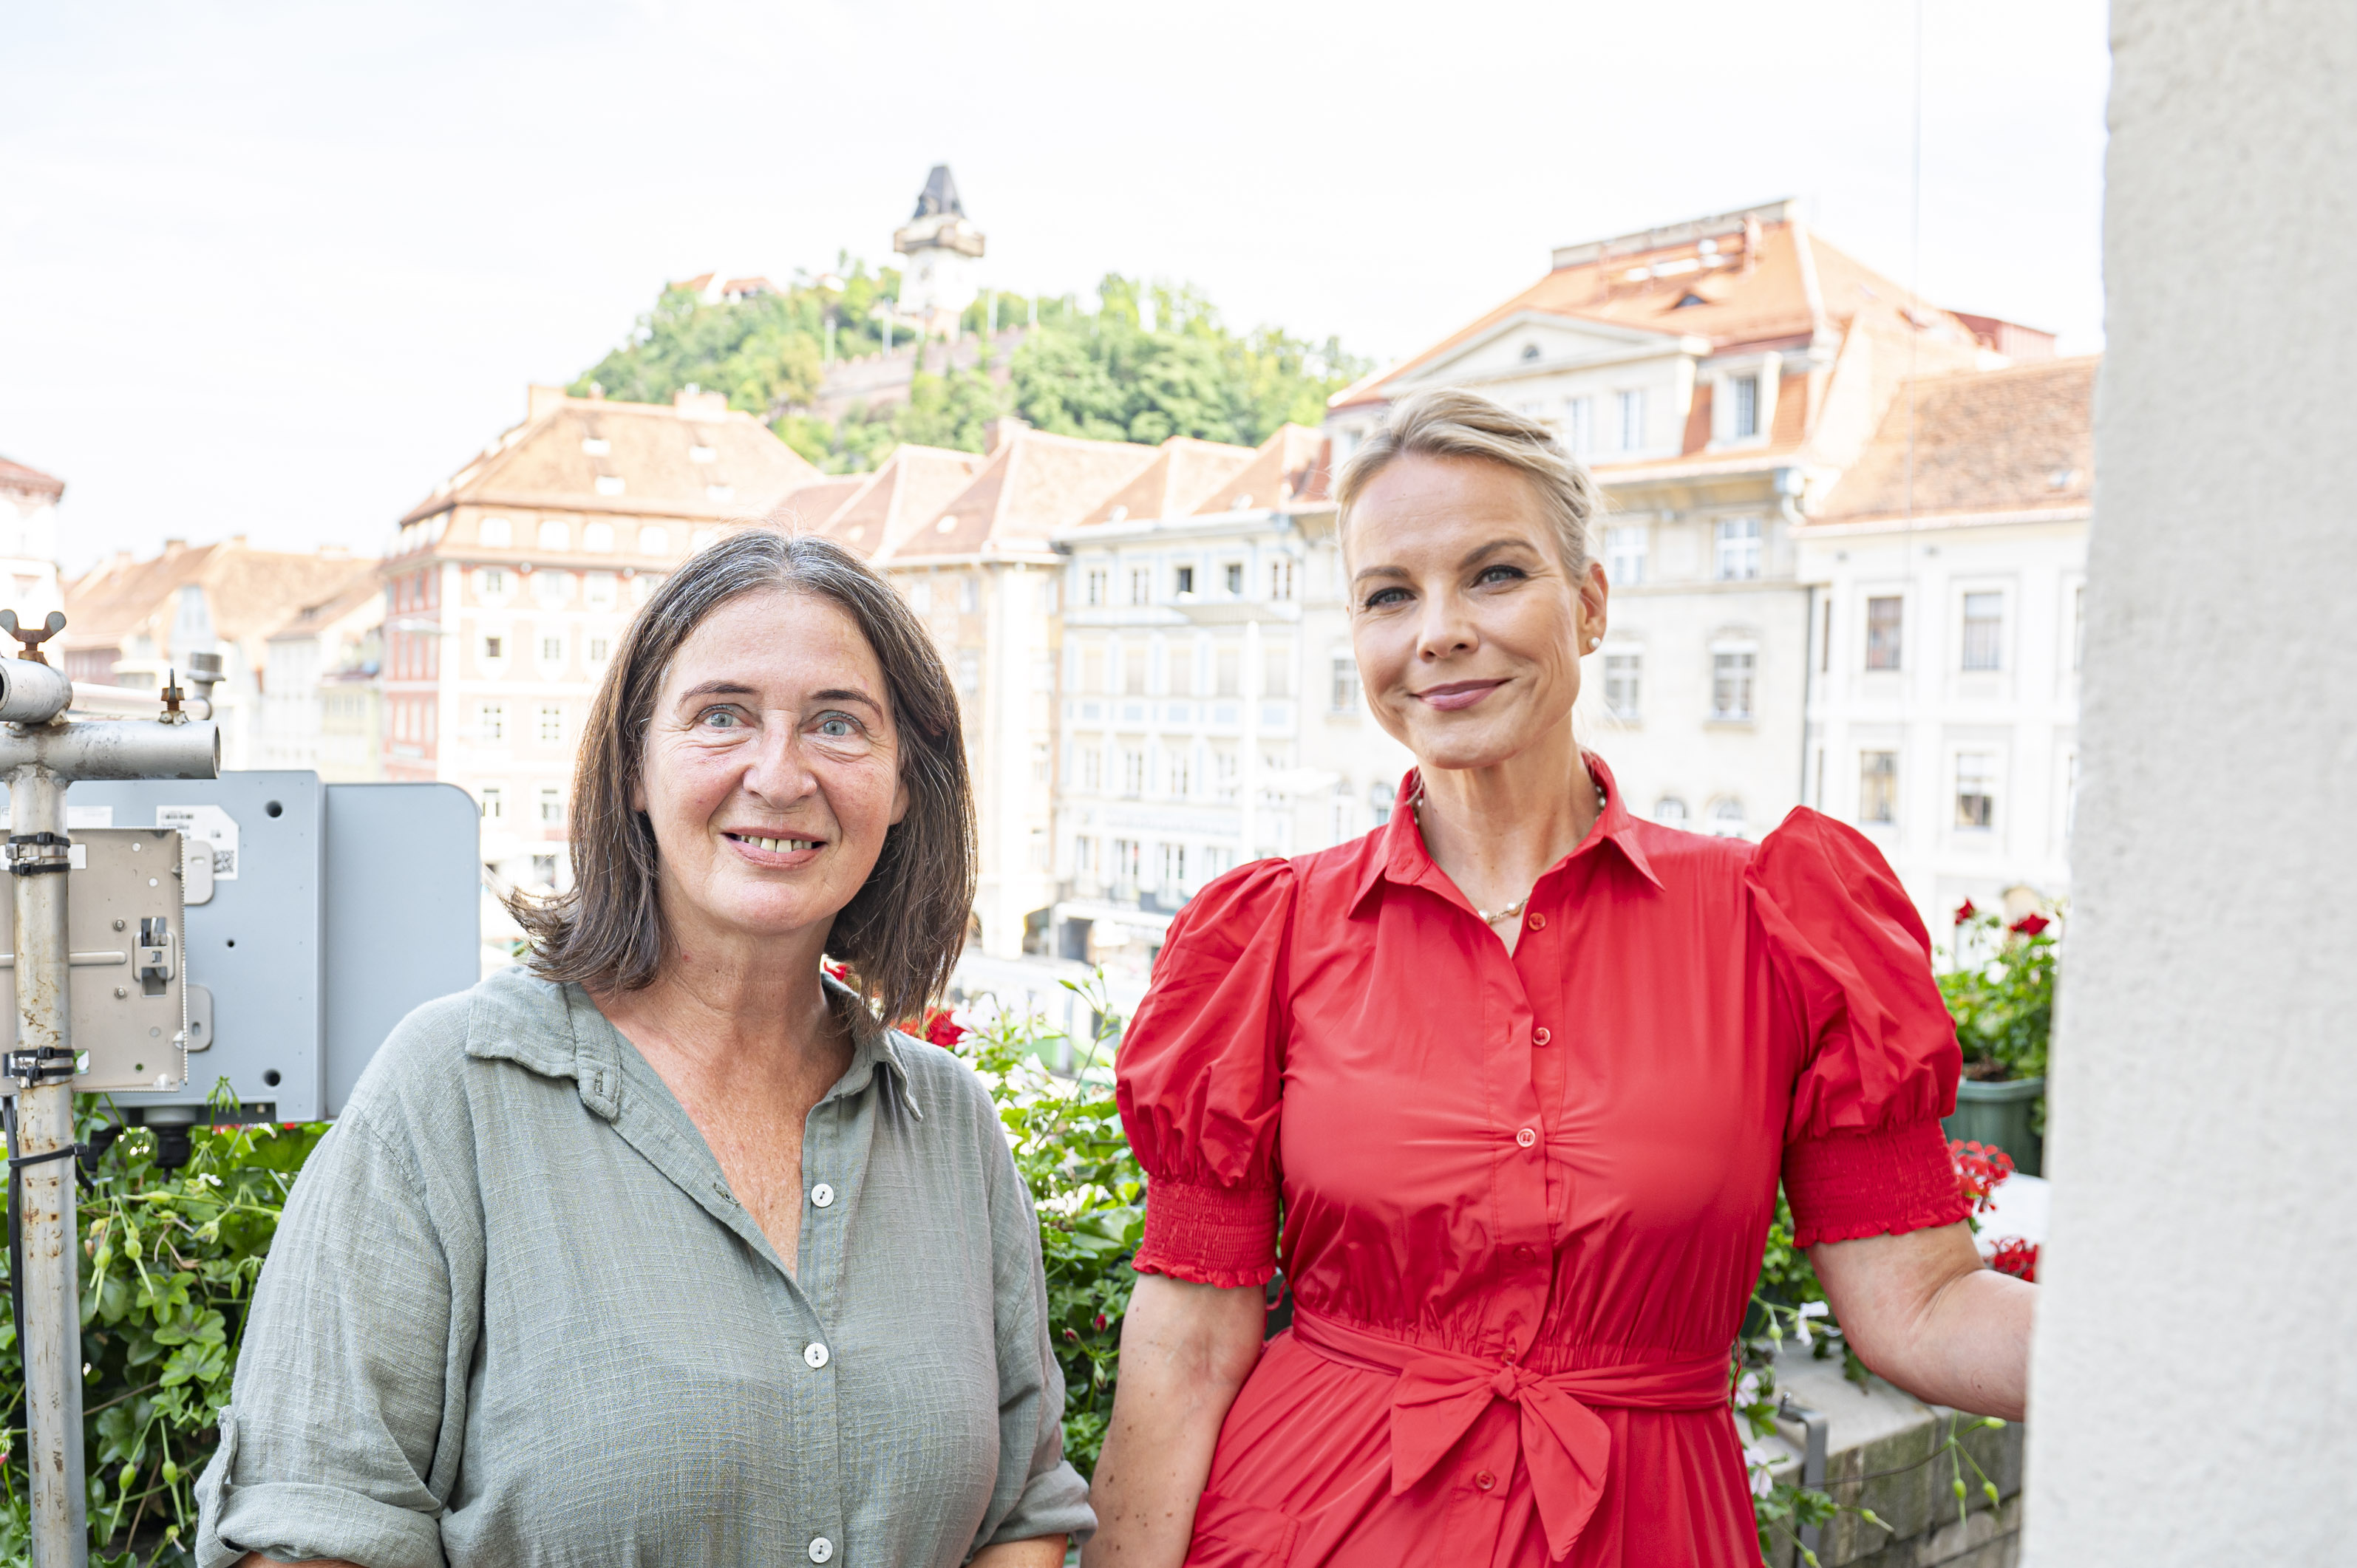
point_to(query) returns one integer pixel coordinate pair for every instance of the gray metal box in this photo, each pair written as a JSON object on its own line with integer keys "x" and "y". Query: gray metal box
{"x": 128, "y": 1018}
{"x": 335, "y": 909}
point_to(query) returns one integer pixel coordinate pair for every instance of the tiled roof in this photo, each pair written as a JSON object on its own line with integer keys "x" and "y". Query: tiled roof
{"x": 359, "y": 589}
{"x": 650, "y": 452}
{"x": 1187, "y": 473}
{"x": 249, "y": 593}
{"x": 28, "y": 480}
{"x": 1733, "y": 297}
{"x": 1286, "y": 464}
{"x": 1033, "y": 484}
{"x": 907, "y": 491}
{"x": 2018, "y": 439}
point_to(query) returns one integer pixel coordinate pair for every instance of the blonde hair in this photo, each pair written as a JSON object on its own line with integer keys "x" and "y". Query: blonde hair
{"x": 1448, "y": 422}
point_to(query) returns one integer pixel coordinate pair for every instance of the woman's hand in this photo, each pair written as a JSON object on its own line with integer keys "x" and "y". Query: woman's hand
{"x": 1923, "y": 1312}
{"x": 1185, "y": 1350}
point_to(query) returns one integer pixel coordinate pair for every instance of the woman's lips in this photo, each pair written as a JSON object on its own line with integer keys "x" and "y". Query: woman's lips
{"x": 780, "y": 849}
{"x": 1457, "y": 694}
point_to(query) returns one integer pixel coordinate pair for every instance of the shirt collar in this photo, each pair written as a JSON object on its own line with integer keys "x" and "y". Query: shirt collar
{"x": 1401, "y": 858}
{"x": 511, "y": 1021}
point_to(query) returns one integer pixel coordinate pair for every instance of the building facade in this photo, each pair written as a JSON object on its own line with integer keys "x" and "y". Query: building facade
{"x": 506, "y": 592}
{"x": 320, "y": 702}
{"x": 28, "y": 543}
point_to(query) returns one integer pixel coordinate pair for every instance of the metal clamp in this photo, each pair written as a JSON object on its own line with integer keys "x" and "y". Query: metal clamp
{"x": 47, "y": 1065}
{"x": 30, "y": 855}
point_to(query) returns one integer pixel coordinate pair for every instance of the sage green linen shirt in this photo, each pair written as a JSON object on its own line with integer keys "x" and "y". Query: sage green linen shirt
{"x": 513, "y": 1315}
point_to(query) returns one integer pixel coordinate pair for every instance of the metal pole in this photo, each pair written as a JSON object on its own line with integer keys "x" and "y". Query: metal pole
{"x": 50, "y": 1334}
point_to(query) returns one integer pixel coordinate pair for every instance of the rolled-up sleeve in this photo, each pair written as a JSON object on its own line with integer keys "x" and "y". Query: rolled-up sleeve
{"x": 1038, "y": 1492}
{"x": 342, "y": 1396}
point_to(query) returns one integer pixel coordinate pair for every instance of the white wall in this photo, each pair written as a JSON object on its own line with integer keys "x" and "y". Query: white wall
{"x": 2196, "y": 1366}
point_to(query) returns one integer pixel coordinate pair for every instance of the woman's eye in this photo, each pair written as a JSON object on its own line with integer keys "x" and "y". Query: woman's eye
{"x": 1501, "y": 574}
{"x": 718, "y": 718}
{"x": 1384, "y": 598}
{"x": 837, "y": 727}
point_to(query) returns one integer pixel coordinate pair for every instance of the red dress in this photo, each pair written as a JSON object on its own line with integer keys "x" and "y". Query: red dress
{"x": 1524, "y": 1196}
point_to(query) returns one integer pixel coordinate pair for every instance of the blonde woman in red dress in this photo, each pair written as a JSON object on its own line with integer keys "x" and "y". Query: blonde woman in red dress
{"x": 1521, "y": 1071}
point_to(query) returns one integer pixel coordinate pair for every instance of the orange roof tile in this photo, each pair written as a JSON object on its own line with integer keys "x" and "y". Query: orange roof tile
{"x": 1186, "y": 473}
{"x": 27, "y": 480}
{"x": 248, "y": 593}
{"x": 1278, "y": 473}
{"x": 2018, "y": 439}
{"x": 1034, "y": 483}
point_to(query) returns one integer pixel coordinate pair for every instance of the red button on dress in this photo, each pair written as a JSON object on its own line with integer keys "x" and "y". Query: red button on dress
{"x": 1539, "y": 1037}
{"x": 1343, "y": 1027}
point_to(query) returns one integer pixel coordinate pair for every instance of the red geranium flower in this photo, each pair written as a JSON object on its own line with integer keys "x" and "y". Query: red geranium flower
{"x": 2031, "y": 925}
{"x": 837, "y": 971}
{"x": 1964, "y": 911}
{"x": 1980, "y": 1171}
{"x": 2016, "y": 1257}
{"x": 943, "y": 1030}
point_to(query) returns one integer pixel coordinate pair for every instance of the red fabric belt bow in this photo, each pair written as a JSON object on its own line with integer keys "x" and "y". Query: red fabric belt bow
{"x": 1566, "y": 1444}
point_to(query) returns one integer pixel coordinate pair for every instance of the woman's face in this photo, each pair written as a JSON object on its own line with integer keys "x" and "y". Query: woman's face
{"x": 1469, "y": 630}
{"x": 771, "y": 767}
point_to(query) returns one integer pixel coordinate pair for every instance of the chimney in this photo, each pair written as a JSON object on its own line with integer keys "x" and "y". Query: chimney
{"x": 173, "y": 547}
{"x": 238, "y": 540}
{"x": 540, "y": 399}
{"x": 998, "y": 433}
{"x": 692, "y": 402}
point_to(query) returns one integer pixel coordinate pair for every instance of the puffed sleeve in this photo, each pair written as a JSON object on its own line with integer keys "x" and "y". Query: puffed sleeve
{"x": 1199, "y": 1080}
{"x": 1851, "y": 963}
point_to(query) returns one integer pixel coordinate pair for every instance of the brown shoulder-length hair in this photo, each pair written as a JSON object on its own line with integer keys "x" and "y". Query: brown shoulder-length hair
{"x": 901, "y": 932}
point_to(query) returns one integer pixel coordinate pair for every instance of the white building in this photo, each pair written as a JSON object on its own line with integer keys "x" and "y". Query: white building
{"x": 320, "y": 702}
{"x": 1947, "y": 571}
{"x": 1720, "y": 377}
{"x": 28, "y": 544}
{"x": 943, "y": 248}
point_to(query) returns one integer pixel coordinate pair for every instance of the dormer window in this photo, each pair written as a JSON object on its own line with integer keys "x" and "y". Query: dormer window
{"x": 1530, "y": 351}
{"x": 596, "y": 445}
{"x": 610, "y": 485}
{"x": 702, "y": 455}
{"x": 1745, "y": 391}
{"x": 1689, "y": 299}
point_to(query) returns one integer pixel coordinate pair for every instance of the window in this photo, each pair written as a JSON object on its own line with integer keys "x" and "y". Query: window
{"x": 596, "y": 445}
{"x": 556, "y": 535}
{"x": 1276, "y": 670}
{"x": 1745, "y": 415}
{"x": 2078, "y": 624}
{"x": 1235, "y": 577}
{"x": 1632, "y": 421}
{"x": 495, "y": 533}
{"x": 1039, "y": 849}
{"x": 1223, "y": 775}
{"x": 1727, "y": 819}
{"x": 552, "y": 722}
{"x": 1227, "y": 665}
{"x": 1877, "y": 786}
{"x": 491, "y": 582}
{"x": 597, "y": 538}
{"x": 600, "y": 591}
{"x": 970, "y": 594}
{"x": 1579, "y": 424}
{"x": 1624, "y": 554}
{"x": 1885, "y": 620}
{"x": 654, "y": 541}
{"x": 552, "y": 806}
{"x": 1345, "y": 687}
{"x": 644, "y": 586}
{"x": 1132, "y": 771}
{"x": 1379, "y": 802}
{"x": 552, "y": 650}
{"x": 1280, "y": 577}
{"x": 702, "y": 454}
{"x": 1182, "y": 774}
{"x": 1218, "y": 859}
{"x": 491, "y": 722}
{"x": 494, "y": 803}
{"x": 1984, "y": 630}
{"x": 494, "y": 648}
{"x": 1092, "y": 670}
{"x": 1141, "y": 586}
{"x": 1084, "y": 855}
{"x": 1132, "y": 672}
{"x": 1092, "y": 586}
{"x": 1730, "y": 685}
{"x": 698, "y": 538}
{"x": 601, "y": 648}
{"x": 1174, "y": 866}
{"x": 1670, "y": 812}
{"x": 1039, "y": 763}
{"x": 921, "y": 596}
{"x": 1183, "y": 580}
{"x": 1127, "y": 860}
{"x": 1091, "y": 768}
{"x": 543, "y": 870}
{"x": 1826, "y": 639}
{"x": 610, "y": 485}
{"x": 552, "y": 588}
{"x": 969, "y": 671}
{"x": 1623, "y": 683}
{"x": 1975, "y": 790}
{"x": 1180, "y": 668}
{"x": 1738, "y": 549}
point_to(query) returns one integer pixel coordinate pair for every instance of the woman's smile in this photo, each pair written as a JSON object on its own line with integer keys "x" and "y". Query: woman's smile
{"x": 1455, "y": 694}
{"x": 783, "y": 849}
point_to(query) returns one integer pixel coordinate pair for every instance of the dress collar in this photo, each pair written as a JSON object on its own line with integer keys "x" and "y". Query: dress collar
{"x": 1400, "y": 857}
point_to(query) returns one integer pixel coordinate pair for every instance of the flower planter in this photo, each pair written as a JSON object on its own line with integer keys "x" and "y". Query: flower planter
{"x": 1997, "y": 1114}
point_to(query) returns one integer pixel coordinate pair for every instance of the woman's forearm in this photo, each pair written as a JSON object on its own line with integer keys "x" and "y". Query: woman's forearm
{"x": 1185, "y": 1350}
{"x": 1923, "y": 1312}
{"x": 1038, "y": 1552}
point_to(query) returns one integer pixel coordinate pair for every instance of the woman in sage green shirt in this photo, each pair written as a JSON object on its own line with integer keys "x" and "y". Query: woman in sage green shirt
{"x": 663, "y": 1250}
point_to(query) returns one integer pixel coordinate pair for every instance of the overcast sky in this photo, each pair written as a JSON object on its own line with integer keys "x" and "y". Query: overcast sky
{"x": 276, "y": 269}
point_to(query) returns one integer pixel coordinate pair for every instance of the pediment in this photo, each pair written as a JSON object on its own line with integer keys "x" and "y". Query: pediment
{"x": 1534, "y": 342}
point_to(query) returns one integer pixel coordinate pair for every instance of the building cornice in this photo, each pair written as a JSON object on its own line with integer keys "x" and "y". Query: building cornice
{"x": 1857, "y": 527}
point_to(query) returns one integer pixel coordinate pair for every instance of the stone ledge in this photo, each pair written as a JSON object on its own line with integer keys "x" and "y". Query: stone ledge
{"x": 1880, "y": 1433}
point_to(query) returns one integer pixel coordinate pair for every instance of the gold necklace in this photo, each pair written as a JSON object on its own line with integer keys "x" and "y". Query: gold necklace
{"x": 1512, "y": 910}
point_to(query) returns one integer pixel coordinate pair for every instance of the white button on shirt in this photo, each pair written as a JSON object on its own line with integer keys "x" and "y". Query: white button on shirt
{"x": 815, "y": 1354}
{"x": 821, "y": 1549}
{"x": 822, "y": 1195}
